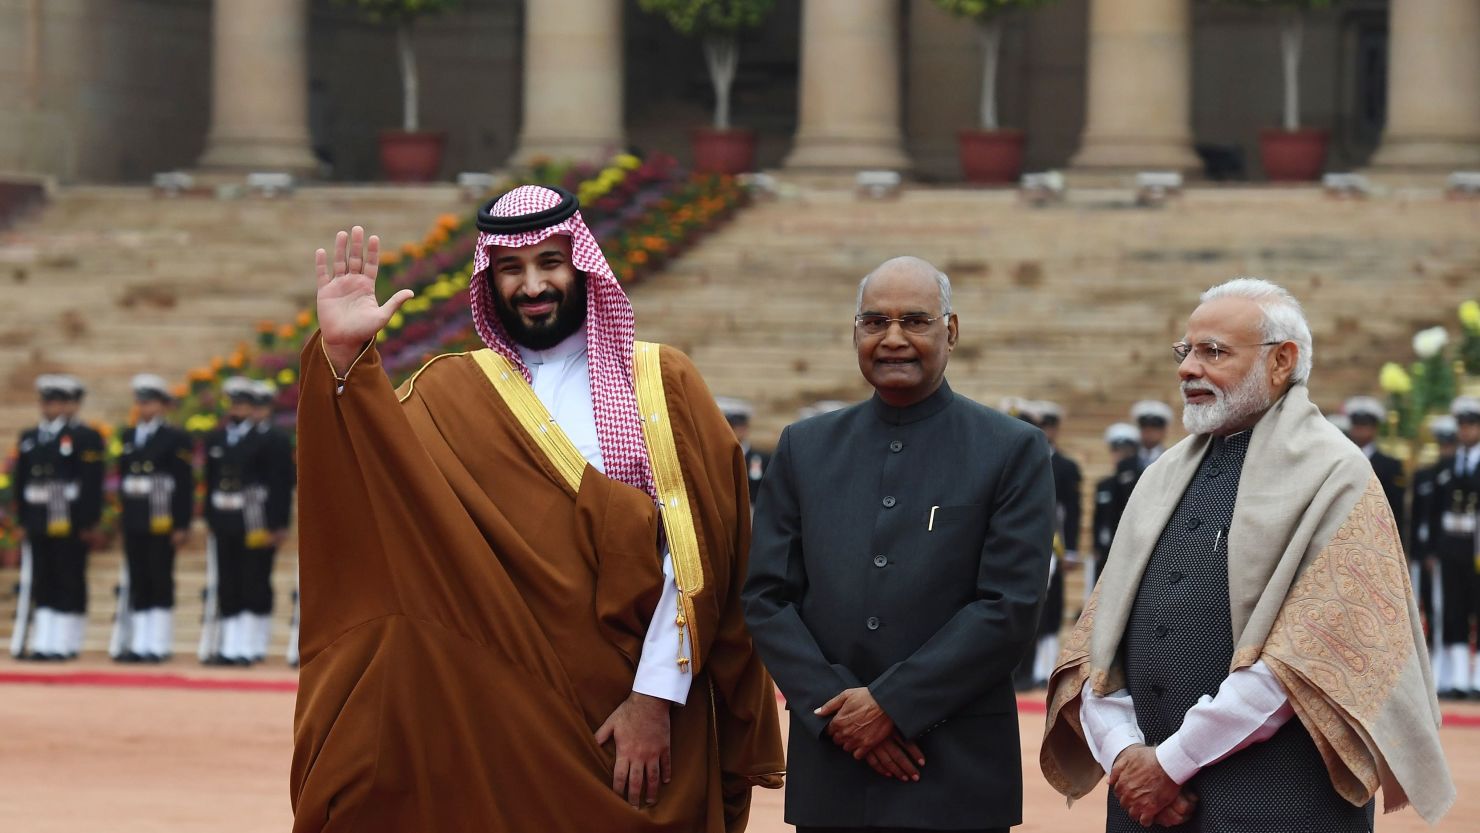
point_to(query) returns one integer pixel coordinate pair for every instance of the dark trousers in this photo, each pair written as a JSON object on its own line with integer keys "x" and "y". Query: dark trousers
{"x": 58, "y": 573}
{"x": 244, "y": 577}
{"x": 1460, "y": 598}
{"x": 895, "y": 830}
{"x": 151, "y": 571}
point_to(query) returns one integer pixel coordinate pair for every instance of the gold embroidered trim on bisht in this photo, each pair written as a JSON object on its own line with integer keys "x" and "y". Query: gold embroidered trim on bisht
{"x": 533, "y": 416}
{"x": 674, "y": 500}
{"x": 410, "y": 384}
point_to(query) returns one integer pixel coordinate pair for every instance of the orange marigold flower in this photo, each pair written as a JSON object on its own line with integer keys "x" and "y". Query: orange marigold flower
{"x": 287, "y": 331}
{"x": 265, "y": 327}
{"x": 304, "y": 319}
{"x": 637, "y": 256}
{"x": 217, "y": 363}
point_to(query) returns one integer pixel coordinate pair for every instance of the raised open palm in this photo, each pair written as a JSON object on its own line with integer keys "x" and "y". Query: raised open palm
{"x": 349, "y": 315}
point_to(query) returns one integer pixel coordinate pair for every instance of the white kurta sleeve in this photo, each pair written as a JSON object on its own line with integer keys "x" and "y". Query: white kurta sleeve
{"x": 1109, "y": 724}
{"x": 1250, "y": 707}
{"x": 658, "y": 671}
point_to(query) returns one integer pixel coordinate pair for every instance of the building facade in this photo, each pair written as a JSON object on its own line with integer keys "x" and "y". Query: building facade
{"x": 116, "y": 90}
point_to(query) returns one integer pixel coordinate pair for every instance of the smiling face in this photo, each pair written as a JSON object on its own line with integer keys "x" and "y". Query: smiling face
{"x": 1229, "y": 395}
{"x": 538, "y": 294}
{"x": 904, "y": 367}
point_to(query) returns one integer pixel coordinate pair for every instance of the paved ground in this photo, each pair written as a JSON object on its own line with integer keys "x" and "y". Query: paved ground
{"x": 92, "y": 756}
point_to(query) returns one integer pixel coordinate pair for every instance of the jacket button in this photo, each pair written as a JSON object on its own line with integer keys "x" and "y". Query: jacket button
{"x": 1175, "y": 577}
{"x": 889, "y": 502}
{"x": 872, "y": 623}
{"x": 1214, "y": 472}
{"x": 880, "y": 561}
{"x": 1193, "y": 523}
{"x": 1162, "y": 631}
{"x": 896, "y": 446}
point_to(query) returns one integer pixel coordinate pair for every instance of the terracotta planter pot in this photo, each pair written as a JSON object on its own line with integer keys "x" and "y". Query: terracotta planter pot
{"x": 411, "y": 157}
{"x": 1293, "y": 155}
{"x": 723, "y": 151}
{"x": 992, "y": 157}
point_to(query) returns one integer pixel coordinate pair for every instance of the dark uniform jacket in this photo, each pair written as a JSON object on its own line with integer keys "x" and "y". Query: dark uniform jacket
{"x": 1111, "y": 495}
{"x": 1394, "y": 480}
{"x": 1067, "y": 484}
{"x": 1452, "y": 514}
{"x": 1426, "y": 482}
{"x": 59, "y": 482}
{"x": 156, "y": 481}
{"x": 238, "y": 477}
{"x": 280, "y": 474}
{"x": 906, "y": 550}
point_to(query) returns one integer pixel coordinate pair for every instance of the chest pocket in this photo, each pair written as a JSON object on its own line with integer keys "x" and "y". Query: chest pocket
{"x": 956, "y": 523}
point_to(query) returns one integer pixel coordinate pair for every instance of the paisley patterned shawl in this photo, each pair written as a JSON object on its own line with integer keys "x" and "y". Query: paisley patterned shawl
{"x": 1318, "y": 589}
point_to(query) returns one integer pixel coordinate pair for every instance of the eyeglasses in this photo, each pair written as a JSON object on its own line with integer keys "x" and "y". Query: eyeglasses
{"x": 914, "y": 323}
{"x": 1210, "y": 352}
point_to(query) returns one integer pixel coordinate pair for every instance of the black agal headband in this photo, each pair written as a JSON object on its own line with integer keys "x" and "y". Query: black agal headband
{"x": 489, "y": 222}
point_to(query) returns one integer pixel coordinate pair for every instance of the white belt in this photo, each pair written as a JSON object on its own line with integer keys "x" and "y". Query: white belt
{"x": 229, "y": 501}
{"x": 39, "y": 494}
{"x": 1459, "y": 523}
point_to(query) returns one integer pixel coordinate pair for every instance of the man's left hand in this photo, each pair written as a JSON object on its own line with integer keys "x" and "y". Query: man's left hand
{"x": 858, "y": 722}
{"x": 1141, "y": 785}
{"x": 640, "y": 727}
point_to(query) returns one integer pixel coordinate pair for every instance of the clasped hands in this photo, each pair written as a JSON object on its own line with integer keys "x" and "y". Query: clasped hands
{"x": 1146, "y": 792}
{"x": 860, "y": 726}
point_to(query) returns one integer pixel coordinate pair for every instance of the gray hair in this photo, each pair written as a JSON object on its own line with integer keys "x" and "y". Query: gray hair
{"x": 1284, "y": 320}
{"x": 942, "y": 282}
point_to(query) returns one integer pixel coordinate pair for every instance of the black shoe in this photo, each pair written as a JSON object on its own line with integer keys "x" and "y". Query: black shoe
{"x": 215, "y": 659}
{"x": 1451, "y": 694}
{"x": 128, "y": 657}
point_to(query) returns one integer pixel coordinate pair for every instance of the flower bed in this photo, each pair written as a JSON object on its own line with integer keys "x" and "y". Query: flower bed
{"x": 643, "y": 211}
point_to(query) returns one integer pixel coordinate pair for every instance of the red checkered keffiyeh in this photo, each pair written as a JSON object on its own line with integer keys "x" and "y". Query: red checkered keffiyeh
{"x": 610, "y": 331}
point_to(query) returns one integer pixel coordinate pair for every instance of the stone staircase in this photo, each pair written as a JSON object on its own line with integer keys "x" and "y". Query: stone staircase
{"x": 1077, "y": 302}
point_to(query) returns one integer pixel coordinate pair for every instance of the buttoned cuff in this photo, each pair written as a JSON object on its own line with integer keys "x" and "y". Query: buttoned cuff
{"x": 1179, "y": 766}
{"x": 1116, "y": 741}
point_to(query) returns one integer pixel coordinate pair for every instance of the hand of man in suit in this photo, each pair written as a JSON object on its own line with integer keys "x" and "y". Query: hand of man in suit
{"x": 860, "y": 726}
{"x": 1143, "y": 788}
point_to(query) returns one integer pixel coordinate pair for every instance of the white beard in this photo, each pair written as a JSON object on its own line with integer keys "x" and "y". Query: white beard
{"x": 1246, "y": 399}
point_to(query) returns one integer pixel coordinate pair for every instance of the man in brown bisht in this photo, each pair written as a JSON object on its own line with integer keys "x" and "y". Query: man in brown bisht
{"x": 1252, "y": 658}
{"x": 521, "y": 570}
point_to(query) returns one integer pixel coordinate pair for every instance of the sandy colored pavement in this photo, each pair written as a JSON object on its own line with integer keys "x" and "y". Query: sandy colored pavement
{"x": 89, "y": 756}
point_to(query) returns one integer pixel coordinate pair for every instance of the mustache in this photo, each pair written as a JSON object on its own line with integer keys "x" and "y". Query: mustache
{"x": 548, "y": 296}
{"x": 1200, "y": 387}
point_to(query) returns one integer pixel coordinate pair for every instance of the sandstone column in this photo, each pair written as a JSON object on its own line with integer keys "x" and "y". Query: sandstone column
{"x": 850, "y": 106}
{"x": 1433, "y": 119}
{"x": 572, "y": 80}
{"x": 259, "y": 91}
{"x": 1139, "y": 90}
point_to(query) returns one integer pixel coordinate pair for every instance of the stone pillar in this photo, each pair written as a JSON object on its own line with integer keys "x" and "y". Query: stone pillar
{"x": 1139, "y": 91}
{"x": 572, "y": 80}
{"x": 849, "y": 112}
{"x": 259, "y": 89}
{"x": 1433, "y": 119}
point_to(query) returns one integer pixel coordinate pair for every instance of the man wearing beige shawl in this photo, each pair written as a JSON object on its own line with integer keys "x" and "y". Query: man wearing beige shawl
{"x": 1257, "y": 576}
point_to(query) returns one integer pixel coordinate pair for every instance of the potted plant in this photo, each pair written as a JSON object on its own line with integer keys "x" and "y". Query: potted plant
{"x": 1291, "y": 153}
{"x": 409, "y": 154}
{"x": 718, "y": 148}
{"x": 990, "y": 153}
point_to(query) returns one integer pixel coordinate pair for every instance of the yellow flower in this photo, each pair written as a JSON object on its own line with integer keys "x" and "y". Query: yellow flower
{"x": 380, "y": 337}
{"x": 286, "y": 376}
{"x": 115, "y": 448}
{"x": 1469, "y": 315}
{"x": 397, "y": 319}
{"x": 4, "y": 480}
{"x": 627, "y": 161}
{"x": 1394, "y": 379}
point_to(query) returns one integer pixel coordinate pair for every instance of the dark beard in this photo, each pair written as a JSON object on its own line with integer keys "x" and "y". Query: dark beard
{"x": 557, "y": 326}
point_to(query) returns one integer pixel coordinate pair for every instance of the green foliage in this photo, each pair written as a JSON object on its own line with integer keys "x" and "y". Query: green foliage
{"x": 984, "y": 9}
{"x": 398, "y": 11}
{"x": 698, "y": 18}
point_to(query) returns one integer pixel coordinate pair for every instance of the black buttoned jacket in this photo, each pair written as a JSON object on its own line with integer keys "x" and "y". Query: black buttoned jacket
{"x": 906, "y": 550}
